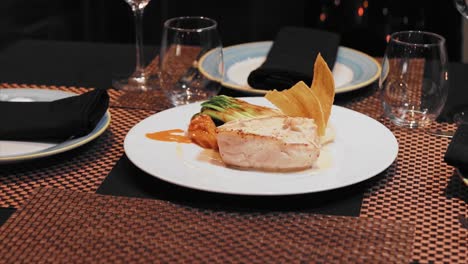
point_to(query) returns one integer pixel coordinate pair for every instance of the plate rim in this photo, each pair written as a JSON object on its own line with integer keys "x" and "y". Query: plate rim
{"x": 45, "y": 153}
{"x": 462, "y": 176}
{"x": 392, "y": 157}
{"x": 343, "y": 89}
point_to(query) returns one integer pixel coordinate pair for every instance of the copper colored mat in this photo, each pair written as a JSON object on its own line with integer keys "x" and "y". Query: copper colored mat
{"x": 419, "y": 187}
{"x": 82, "y": 169}
{"x": 150, "y": 100}
{"x": 66, "y": 226}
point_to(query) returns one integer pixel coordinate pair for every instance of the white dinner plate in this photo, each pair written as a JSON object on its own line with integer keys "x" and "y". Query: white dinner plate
{"x": 362, "y": 149}
{"x": 352, "y": 70}
{"x": 15, "y": 151}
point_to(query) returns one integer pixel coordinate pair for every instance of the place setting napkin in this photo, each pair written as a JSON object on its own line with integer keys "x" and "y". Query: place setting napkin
{"x": 292, "y": 56}
{"x": 57, "y": 120}
{"x": 457, "y": 151}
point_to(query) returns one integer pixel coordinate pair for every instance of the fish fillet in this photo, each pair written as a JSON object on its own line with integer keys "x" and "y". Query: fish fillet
{"x": 279, "y": 143}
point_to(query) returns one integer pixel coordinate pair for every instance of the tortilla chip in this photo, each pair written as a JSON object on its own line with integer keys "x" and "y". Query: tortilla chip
{"x": 323, "y": 85}
{"x": 315, "y": 102}
{"x": 289, "y": 106}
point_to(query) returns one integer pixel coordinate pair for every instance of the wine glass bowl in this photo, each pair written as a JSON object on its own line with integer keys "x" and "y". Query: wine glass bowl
{"x": 460, "y": 116}
{"x": 185, "y": 41}
{"x": 413, "y": 82}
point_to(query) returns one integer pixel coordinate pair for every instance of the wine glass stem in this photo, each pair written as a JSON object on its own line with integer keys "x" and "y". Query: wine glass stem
{"x": 138, "y": 15}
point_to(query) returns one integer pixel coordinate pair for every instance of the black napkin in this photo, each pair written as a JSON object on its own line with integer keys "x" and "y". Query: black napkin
{"x": 457, "y": 100}
{"x": 57, "y": 120}
{"x": 292, "y": 56}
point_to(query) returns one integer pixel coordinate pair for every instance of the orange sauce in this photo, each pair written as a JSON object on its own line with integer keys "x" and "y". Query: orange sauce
{"x": 170, "y": 135}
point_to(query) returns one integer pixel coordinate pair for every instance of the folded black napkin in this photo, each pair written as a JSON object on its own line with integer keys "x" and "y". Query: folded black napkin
{"x": 457, "y": 151}
{"x": 57, "y": 120}
{"x": 292, "y": 56}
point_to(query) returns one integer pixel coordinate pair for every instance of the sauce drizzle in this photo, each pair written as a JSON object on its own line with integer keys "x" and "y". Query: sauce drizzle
{"x": 169, "y": 135}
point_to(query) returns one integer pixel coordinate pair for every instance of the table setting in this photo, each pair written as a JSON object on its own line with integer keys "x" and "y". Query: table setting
{"x": 82, "y": 181}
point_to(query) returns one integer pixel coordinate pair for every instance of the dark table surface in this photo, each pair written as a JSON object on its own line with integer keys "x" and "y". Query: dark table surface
{"x": 67, "y": 63}
{"x": 95, "y": 65}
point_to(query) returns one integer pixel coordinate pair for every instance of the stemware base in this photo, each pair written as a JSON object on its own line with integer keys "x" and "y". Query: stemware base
{"x": 134, "y": 84}
{"x": 442, "y": 129}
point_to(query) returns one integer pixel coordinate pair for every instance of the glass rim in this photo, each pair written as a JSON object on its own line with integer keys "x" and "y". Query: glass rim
{"x": 181, "y": 18}
{"x": 440, "y": 39}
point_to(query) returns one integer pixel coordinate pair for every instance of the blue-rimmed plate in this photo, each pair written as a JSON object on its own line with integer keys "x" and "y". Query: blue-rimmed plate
{"x": 15, "y": 151}
{"x": 352, "y": 70}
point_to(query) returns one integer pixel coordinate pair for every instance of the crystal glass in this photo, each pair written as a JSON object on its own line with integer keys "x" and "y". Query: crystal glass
{"x": 414, "y": 79}
{"x": 186, "y": 42}
{"x": 461, "y": 115}
{"x": 138, "y": 81}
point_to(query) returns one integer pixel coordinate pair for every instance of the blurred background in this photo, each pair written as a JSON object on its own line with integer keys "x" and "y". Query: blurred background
{"x": 363, "y": 24}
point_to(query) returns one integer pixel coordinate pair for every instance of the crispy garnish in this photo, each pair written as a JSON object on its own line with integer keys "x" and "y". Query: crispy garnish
{"x": 315, "y": 102}
{"x": 324, "y": 86}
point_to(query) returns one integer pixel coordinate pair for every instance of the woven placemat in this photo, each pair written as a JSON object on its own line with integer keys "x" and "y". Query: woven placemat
{"x": 81, "y": 169}
{"x": 150, "y": 100}
{"x": 66, "y": 226}
{"x": 421, "y": 188}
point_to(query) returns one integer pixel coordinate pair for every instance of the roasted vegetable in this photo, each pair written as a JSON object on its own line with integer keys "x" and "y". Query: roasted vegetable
{"x": 202, "y": 131}
{"x": 225, "y": 108}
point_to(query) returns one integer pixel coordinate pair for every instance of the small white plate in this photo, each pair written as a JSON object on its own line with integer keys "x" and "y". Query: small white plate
{"x": 15, "y": 151}
{"x": 352, "y": 70}
{"x": 362, "y": 149}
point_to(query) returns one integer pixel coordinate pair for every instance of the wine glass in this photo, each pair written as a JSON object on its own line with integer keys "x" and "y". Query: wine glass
{"x": 462, "y": 7}
{"x": 191, "y": 59}
{"x": 138, "y": 81}
{"x": 414, "y": 79}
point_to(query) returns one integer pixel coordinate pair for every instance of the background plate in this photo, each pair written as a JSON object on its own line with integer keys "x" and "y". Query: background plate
{"x": 14, "y": 151}
{"x": 353, "y": 69}
{"x": 463, "y": 176}
{"x": 355, "y": 155}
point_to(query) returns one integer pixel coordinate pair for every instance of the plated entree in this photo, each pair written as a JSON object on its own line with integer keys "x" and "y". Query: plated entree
{"x": 249, "y": 136}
